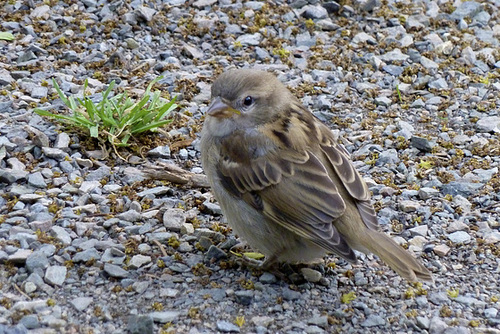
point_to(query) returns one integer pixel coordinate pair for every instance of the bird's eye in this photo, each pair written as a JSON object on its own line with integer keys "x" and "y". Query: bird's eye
{"x": 247, "y": 101}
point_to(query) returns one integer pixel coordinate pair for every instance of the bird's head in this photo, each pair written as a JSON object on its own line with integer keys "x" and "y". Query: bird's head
{"x": 246, "y": 94}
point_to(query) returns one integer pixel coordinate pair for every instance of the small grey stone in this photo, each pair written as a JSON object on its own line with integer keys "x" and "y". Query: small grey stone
{"x": 132, "y": 43}
{"x": 141, "y": 286}
{"x": 426, "y": 193}
{"x": 423, "y": 322}
{"x": 314, "y": 12}
{"x": 62, "y": 141}
{"x": 440, "y": 83}
{"x": 331, "y": 6}
{"x": 36, "y": 180}
{"x": 173, "y": 219}
{"x": 305, "y": 39}
{"x": 130, "y": 216}
{"x": 86, "y": 163}
{"x": 26, "y": 56}
{"x": 394, "y": 56}
{"x": 183, "y": 154}
{"x": 360, "y": 279}
{"x": 244, "y": 297}
{"x": 20, "y": 256}
{"x": 393, "y": 70}
{"x": 145, "y": 13}
{"x": 29, "y": 287}
{"x": 36, "y": 260}
{"x": 422, "y": 144}
{"x": 416, "y": 22}
{"x": 55, "y": 275}
{"x": 156, "y": 191}
{"x": 227, "y": 327}
{"x": 81, "y": 303}
{"x": 421, "y": 230}
{"x": 192, "y": 52}
{"x": 165, "y": 316}
{"x": 12, "y": 175}
{"x": 267, "y": 278}
{"x": 160, "y": 152}
{"x": 290, "y": 294}
{"x": 459, "y": 237}
{"x": 465, "y": 189}
{"x": 383, "y": 101}
{"x": 88, "y": 186}
{"x": 437, "y": 325}
{"x": 327, "y": 25}
{"x": 489, "y": 124}
{"x": 387, "y": 157}
{"x": 367, "y": 5}
{"x": 321, "y": 321}
{"x": 466, "y": 9}
{"x": 115, "y": 271}
{"x": 469, "y": 301}
{"x": 40, "y": 139}
{"x": 138, "y": 261}
{"x": 140, "y": 324}
{"x": 215, "y": 253}
{"x": 39, "y": 92}
{"x": 99, "y": 174}
{"x": 5, "y": 106}
{"x": 311, "y": 275}
{"x": 29, "y": 321}
{"x": 441, "y": 250}
{"x": 363, "y": 37}
{"x": 250, "y": 39}
{"x": 490, "y": 312}
{"x": 212, "y": 208}
{"x": 87, "y": 255}
{"x": 61, "y": 234}
{"x": 463, "y": 203}
{"x": 40, "y": 12}
{"x": 54, "y": 153}
{"x": 5, "y": 78}
{"x": 428, "y": 64}
{"x": 373, "y": 320}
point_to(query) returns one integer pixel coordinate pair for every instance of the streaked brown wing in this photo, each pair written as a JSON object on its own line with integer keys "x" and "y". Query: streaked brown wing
{"x": 291, "y": 188}
{"x": 352, "y": 181}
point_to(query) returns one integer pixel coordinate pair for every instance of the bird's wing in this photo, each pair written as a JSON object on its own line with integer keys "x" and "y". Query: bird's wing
{"x": 344, "y": 170}
{"x": 291, "y": 187}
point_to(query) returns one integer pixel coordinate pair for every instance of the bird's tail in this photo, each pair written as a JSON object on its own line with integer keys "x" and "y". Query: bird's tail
{"x": 396, "y": 257}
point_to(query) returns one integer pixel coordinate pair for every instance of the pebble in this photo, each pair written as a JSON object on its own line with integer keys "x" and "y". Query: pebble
{"x": 55, "y": 275}
{"x": 173, "y": 219}
{"x": 459, "y": 237}
{"x": 140, "y": 324}
{"x": 373, "y": 320}
{"x": 164, "y": 316}
{"x": 227, "y": 327}
{"x": 138, "y": 261}
{"x": 115, "y": 271}
{"x": 489, "y": 124}
{"x": 441, "y": 250}
{"x": 81, "y": 303}
{"x": 311, "y": 275}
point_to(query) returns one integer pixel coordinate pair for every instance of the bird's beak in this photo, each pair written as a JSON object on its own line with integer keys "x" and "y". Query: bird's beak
{"x": 219, "y": 108}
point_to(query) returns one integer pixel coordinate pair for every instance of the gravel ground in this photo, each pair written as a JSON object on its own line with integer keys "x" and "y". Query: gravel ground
{"x": 94, "y": 246}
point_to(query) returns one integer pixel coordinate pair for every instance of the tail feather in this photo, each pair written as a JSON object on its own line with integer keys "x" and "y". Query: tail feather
{"x": 396, "y": 257}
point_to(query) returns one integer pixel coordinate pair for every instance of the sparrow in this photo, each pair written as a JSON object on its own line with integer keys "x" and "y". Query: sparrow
{"x": 284, "y": 184}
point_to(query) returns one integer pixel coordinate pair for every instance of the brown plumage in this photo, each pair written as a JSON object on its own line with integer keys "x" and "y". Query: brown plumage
{"x": 283, "y": 183}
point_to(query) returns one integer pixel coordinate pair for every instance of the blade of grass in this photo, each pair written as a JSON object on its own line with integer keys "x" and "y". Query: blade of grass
{"x": 150, "y": 126}
{"x": 166, "y": 109}
{"x": 80, "y": 120}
